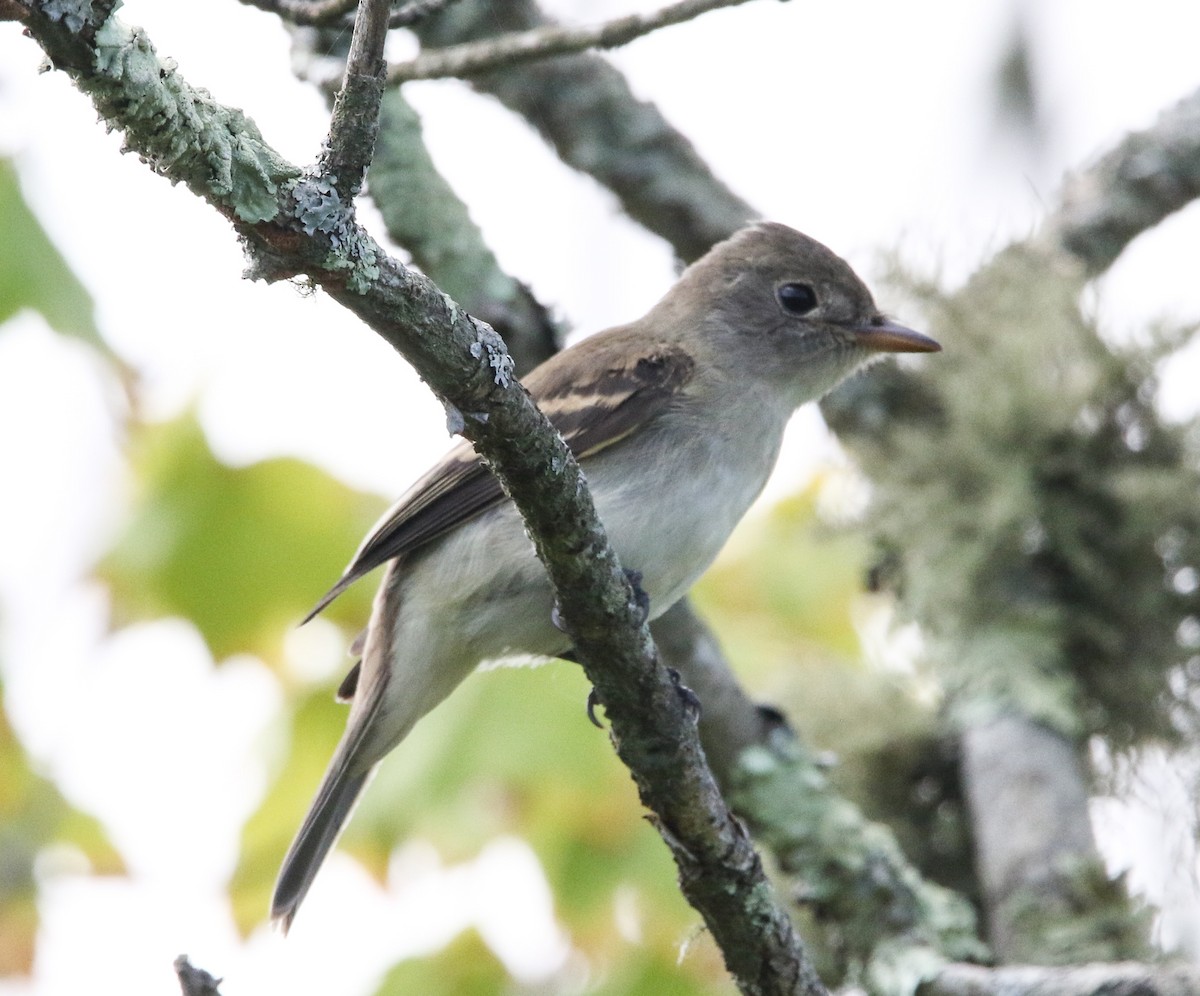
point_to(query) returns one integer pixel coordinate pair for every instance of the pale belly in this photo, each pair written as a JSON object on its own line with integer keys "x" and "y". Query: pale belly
{"x": 494, "y": 593}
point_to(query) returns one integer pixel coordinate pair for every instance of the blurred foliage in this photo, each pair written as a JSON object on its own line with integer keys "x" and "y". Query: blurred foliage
{"x": 243, "y": 552}
{"x": 34, "y": 816}
{"x": 33, "y": 274}
{"x": 1019, "y": 101}
{"x": 466, "y": 967}
{"x": 787, "y": 588}
{"x": 511, "y": 752}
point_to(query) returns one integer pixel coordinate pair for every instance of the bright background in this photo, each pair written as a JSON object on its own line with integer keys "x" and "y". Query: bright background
{"x": 871, "y": 125}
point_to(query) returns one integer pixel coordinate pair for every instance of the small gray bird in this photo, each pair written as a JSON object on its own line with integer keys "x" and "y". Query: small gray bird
{"x": 677, "y": 420}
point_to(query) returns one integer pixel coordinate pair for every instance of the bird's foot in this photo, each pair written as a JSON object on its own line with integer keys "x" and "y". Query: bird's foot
{"x": 690, "y": 700}
{"x": 641, "y": 601}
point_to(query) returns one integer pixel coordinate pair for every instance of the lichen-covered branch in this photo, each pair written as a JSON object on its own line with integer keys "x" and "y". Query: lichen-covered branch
{"x": 306, "y": 231}
{"x": 894, "y": 928}
{"x": 1122, "y": 979}
{"x": 1147, "y": 176}
{"x": 1048, "y": 898}
{"x": 507, "y": 50}
{"x": 1035, "y": 509}
{"x": 583, "y": 107}
{"x": 423, "y": 214}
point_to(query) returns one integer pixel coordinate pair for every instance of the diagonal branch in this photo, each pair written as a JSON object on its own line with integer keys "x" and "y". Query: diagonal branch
{"x": 474, "y": 58}
{"x": 292, "y": 227}
{"x": 1147, "y": 176}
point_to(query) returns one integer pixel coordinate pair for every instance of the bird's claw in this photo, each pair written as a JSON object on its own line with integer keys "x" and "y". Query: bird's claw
{"x": 593, "y": 700}
{"x": 641, "y": 601}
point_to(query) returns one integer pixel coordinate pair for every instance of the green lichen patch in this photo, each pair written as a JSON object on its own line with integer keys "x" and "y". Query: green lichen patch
{"x": 179, "y": 130}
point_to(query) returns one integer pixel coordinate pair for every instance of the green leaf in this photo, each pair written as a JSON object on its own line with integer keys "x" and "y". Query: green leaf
{"x": 241, "y": 552}
{"x": 33, "y": 814}
{"x": 788, "y": 582}
{"x": 465, "y": 967}
{"x": 317, "y": 724}
{"x": 33, "y": 274}
{"x": 511, "y": 752}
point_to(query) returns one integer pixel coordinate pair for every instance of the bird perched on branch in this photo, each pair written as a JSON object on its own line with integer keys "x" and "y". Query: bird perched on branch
{"x": 676, "y": 419}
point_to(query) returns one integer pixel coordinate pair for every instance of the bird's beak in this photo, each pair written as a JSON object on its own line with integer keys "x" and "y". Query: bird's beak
{"x": 887, "y": 337}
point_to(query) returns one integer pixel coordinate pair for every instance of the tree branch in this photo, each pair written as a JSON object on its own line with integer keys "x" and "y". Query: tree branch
{"x": 323, "y": 13}
{"x": 195, "y": 981}
{"x": 1037, "y": 516}
{"x": 307, "y": 12}
{"x": 504, "y": 51}
{"x": 583, "y": 107}
{"x": 1149, "y": 175}
{"x": 355, "y": 122}
{"x": 291, "y": 226}
{"x": 894, "y": 928}
{"x": 423, "y": 214}
{"x": 1121, "y": 979}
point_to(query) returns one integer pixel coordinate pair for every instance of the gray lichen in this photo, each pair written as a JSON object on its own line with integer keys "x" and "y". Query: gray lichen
{"x": 318, "y": 207}
{"x": 893, "y": 928}
{"x": 73, "y": 13}
{"x": 179, "y": 130}
{"x": 1035, "y": 511}
{"x": 489, "y": 343}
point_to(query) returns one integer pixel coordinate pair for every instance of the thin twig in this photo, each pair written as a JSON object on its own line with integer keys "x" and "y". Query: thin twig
{"x": 195, "y": 981}
{"x": 507, "y": 50}
{"x": 324, "y": 13}
{"x": 355, "y": 122}
{"x": 583, "y": 107}
{"x": 307, "y": 13}
{"x": 417, "y": 10}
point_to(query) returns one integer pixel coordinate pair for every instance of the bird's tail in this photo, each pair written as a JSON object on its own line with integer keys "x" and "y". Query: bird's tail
{"x": 330, "y": 809}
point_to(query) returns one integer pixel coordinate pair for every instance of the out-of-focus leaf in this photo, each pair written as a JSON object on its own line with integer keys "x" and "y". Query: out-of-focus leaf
{"x": 33, "y": 815}
{"x": 465, "y": 967}
{"x": 787, "y": 582}
{"x": 645, "y": 972}
{"x": 32, "y": 272}
{"x": 241, "y": 552}
{"x": 317, "y": 724}
{"x": 510, "y": 752}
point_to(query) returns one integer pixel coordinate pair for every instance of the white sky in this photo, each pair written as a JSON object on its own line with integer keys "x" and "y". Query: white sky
{"x": 862, "y": 123}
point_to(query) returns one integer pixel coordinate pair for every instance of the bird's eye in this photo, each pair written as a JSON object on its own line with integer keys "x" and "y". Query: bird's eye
{"x": 796, "y": 299}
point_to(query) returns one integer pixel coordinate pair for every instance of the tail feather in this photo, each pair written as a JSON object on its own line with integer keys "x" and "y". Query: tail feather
{"x": 330, "y": 809}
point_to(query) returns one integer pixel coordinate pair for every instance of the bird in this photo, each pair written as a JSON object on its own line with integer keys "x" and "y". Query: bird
{"x": 676, "y": 420}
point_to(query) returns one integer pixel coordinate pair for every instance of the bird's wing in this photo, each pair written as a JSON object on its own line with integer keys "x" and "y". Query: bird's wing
{"x": 592, "y": 394}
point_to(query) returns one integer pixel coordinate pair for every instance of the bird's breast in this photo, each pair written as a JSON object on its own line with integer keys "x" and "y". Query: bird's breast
{"x": 671, "y": 516}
